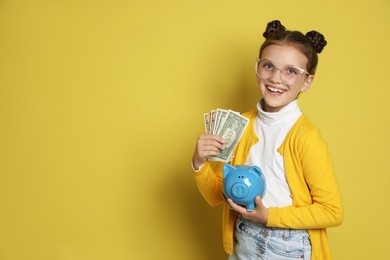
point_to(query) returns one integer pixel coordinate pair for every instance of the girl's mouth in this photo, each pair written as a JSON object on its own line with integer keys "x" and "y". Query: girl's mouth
{"x": 275, "y": 90}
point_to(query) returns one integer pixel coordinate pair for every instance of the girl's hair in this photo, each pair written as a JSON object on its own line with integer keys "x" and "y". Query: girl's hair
{"x": 310, "y": 44}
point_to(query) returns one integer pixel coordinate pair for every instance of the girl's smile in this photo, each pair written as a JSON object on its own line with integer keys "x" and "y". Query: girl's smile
{"x": 275, "y": 90}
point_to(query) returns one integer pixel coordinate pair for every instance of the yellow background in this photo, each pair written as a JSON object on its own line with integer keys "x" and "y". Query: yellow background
{"x": 101, "y": 103}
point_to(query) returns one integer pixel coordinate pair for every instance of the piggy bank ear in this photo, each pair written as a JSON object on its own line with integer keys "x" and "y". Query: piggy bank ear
{"x": 227, "y": 168}
{"x": 257, "y": 170}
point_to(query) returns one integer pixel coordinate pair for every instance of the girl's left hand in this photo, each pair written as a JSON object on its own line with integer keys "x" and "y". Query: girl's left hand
{"x": 259, "y": 214}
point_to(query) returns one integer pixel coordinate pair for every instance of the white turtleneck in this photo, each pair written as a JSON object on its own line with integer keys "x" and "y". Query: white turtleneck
{"x": 272, "y": 128}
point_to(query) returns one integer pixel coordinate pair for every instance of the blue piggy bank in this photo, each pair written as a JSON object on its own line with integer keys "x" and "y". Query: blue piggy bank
{"x": 242, "y": 183}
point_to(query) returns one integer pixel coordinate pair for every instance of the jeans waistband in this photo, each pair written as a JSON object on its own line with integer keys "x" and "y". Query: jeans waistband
{"x": 274, "y": 230}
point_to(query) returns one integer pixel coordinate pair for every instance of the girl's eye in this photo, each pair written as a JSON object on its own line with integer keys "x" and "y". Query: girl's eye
{"x": 292, "y": 71}
{"x": 268, "y": 66}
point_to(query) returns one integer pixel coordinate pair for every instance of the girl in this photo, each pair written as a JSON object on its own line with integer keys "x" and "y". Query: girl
{"x": 303, "y": 196}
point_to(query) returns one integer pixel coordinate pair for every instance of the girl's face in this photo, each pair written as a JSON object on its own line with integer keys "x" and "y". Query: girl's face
{"x": 278, "y": 92}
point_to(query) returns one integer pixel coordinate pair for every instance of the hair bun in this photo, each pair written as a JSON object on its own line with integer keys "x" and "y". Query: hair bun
{"x": 272, "y": 27}
{"x": 317, "y": 40}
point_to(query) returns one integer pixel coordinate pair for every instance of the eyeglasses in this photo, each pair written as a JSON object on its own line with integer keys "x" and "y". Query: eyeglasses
{"x": 289, "y": 74}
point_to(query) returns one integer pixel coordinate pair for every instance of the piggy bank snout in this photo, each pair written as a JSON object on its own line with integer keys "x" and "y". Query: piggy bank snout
{"x": 239, "y": 190}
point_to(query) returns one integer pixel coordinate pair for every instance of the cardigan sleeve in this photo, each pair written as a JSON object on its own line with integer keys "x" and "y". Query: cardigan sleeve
{"x": 314, "y": 189}
{"x": 209, "y": 180}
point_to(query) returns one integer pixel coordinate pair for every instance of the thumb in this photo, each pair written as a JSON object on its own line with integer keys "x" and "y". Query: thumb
{"x": 258, "y": 200}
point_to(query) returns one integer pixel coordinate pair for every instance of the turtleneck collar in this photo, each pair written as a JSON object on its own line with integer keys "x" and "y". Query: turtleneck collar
{"x": 285, "y": 114}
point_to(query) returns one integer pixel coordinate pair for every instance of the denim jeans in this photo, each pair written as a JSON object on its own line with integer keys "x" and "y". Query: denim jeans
{"x": 256, "y": 241}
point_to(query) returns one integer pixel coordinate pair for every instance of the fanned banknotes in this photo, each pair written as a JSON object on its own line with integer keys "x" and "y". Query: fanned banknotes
{"x": 229, "y": 125}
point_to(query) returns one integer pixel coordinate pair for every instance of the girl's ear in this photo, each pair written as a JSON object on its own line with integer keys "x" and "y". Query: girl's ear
{"x": 307, "y": 84}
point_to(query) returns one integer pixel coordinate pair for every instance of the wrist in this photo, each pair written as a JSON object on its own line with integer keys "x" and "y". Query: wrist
{"x": 197, "y": 164}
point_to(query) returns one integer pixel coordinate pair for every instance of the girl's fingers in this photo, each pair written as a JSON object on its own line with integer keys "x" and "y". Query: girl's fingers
{"x": 212, "y": 138}
{"x": 236, "y": 207}
{"x": 207, "y": 145}
{"x": 210, "y": 143}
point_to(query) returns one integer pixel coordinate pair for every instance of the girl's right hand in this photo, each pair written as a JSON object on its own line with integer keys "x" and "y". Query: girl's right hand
{"x": 206, "y": 145}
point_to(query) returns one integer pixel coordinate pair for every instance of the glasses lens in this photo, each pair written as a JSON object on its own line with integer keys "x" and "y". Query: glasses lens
{"x": 290, "y": 74}
{"x": 264, "y": 68}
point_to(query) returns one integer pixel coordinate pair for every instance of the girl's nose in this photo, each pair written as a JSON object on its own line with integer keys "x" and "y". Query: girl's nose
{"x": 276, "y": 76}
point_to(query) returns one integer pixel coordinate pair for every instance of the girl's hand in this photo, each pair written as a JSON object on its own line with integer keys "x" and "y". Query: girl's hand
{"x": 206, "y": 145}
{"x": 259, "y": 214}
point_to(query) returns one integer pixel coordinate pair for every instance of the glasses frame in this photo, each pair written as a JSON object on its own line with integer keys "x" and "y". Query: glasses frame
{"x": 302, "y": 71}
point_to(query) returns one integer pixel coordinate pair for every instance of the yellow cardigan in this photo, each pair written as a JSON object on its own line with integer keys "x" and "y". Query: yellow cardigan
{"x": 309, "y": 172}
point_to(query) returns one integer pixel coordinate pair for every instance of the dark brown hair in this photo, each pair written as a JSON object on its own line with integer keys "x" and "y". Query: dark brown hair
{"x": 310, "y": 44}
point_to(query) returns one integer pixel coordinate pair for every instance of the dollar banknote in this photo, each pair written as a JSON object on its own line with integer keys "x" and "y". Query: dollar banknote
{"x": 229, "y": 125}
